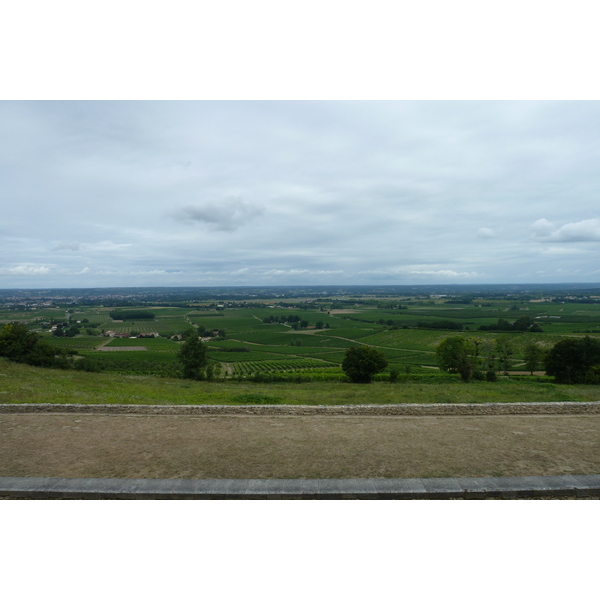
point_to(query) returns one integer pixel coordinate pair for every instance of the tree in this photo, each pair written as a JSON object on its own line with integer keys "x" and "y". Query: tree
{"x": 455, "y": 355}
{"x": 574, "y": 360}
{"x": 192, "y": 356}
{"x": 210, "y": 372}
{"x": 504, "y": 351}
{"x": 130, "y": 315}
{"x": 19, "y": 344}
{"x": 533, "y": 356}
{"x": 488, "y": 354}
{"x": 523, "y": 323}
{"x": 361, "y": 363}
{"x": 477, "y": 342}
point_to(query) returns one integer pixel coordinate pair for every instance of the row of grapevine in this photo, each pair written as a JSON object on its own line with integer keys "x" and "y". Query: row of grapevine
{"x": 274, "y": 366}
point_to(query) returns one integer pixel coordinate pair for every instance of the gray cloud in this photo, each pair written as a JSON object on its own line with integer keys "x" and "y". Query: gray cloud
{"x": 542, "y": 228}
{"x": 33, "y": 270}
{"x": 350, "y": 192}
{"x": 64, "y": 246}
{"x": 581, "y": 231}
{"x": 227, "y": 215}
{"x": 105, "y": 246}
{"x": 446, "y": 273}
{"x": 486, "y": 233}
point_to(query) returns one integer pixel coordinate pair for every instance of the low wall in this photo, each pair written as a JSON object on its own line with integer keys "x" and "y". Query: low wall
{"x": 43, "y": 488}
{"x": 525, "y": 408}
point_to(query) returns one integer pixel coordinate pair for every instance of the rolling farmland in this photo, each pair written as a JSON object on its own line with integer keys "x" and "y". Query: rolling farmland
{"x": 266, "y": 337}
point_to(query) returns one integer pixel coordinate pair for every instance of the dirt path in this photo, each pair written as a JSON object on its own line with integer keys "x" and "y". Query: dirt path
{"x": 103, "y": 344}
{"x": 144, "y": 446}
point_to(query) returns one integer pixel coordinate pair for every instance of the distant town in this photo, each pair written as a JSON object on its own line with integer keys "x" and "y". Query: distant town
{"x": 21, "y": 299}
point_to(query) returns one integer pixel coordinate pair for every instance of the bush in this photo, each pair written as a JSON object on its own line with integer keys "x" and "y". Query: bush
{"x": 19, "y": 344}
{"x": 571, "y": 360}
{"x": 87, "y": 364}
{"x": 361, "y": 363}
{"x": 491, "y": 376}
{"x": 593, "y": 375}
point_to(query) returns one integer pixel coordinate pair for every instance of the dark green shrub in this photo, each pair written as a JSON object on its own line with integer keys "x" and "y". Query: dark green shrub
{"x": 361, "y": 363}
{"x": 23, "y": 346}
{"x": 593, "y": 375}
{"x": 87, "y": 364}
{"x": 570, "y": 360}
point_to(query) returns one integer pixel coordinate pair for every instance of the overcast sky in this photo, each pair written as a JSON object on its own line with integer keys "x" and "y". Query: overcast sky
{"x": 282, "y": 193}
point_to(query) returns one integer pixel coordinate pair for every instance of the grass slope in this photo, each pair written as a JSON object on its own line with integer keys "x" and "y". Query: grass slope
{"x": 25, "y": 384}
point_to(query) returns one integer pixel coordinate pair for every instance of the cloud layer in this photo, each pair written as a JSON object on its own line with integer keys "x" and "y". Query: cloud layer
{"x": 227, "y": 215}
{"x": 226, "y": 193}
{"x": 582, "y": 231}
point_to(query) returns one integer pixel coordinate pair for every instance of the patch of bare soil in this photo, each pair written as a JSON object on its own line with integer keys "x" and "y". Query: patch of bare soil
{"x": 247, "y": 447}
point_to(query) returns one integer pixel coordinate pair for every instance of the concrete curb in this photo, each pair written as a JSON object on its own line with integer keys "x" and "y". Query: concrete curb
{"x": 45, "y": 488}
{"x": 513, "y": 408}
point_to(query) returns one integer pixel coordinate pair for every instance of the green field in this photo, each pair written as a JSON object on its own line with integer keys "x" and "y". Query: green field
{"x": 75, "y": 343}
{"x": 277, "y": 347}
{"x": 160, "y": 344}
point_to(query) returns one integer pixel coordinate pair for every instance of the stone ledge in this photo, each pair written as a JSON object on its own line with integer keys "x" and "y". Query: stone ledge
{"x": 45, "y": 488}
{"x": 513, "y": 408}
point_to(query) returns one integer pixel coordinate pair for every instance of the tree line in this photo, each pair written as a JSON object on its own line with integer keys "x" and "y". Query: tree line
{"x": 570, "y": 360}
{"x": 130, "y": 315}
{"x": 523, "y": 323}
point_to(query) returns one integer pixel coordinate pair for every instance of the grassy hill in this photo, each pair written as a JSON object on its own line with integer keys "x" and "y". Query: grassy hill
{"x": 24, "y": 384}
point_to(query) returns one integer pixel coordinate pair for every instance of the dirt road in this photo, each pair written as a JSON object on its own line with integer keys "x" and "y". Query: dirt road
{"x": 146, "y": 446}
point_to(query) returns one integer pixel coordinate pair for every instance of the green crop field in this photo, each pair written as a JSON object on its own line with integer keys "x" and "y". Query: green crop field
{"x": 253, "y": 355}
{"x": 233, "y": 322}
{"x": 353, "y": 333}
{"x": 160, "y": 344}
{"x": 132, "y": 355}
{"x": 277, "y": 347}
{"x": 278, "y": 366}
{"x": 75, "y": 343}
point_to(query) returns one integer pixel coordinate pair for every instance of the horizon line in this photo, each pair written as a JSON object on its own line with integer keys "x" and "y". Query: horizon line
{"x": 310, "y": 285}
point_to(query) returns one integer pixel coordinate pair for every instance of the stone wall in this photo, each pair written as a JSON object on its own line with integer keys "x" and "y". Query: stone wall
{"x": 528, "y": 408}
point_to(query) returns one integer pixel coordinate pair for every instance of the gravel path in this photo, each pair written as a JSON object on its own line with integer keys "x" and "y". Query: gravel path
{"x": 332, "y": 446}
